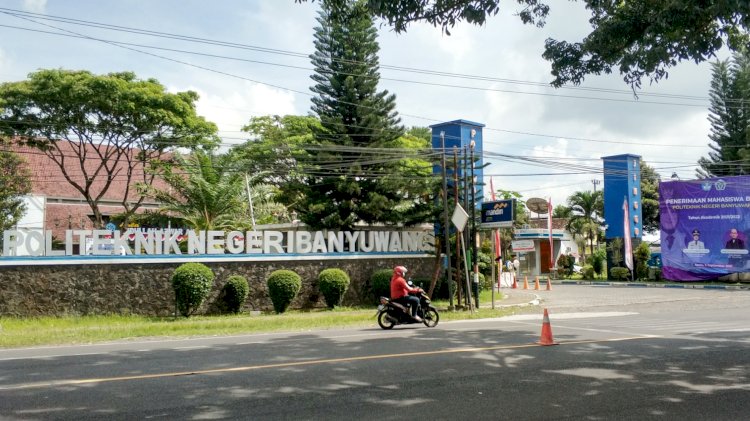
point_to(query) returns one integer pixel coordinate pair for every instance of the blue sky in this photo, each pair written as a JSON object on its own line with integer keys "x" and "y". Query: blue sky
{"x": 522, "y": 115}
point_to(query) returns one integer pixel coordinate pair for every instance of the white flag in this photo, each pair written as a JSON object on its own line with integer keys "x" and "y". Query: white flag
{"x": 626, "y": 234}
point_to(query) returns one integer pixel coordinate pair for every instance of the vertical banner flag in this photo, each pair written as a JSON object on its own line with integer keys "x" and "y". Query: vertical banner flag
{"x": 549, "y": 227}
{"x": 626, "y": 234}
{"x": 498, "y": 244}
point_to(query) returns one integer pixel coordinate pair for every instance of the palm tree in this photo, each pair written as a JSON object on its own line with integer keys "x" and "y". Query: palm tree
{"x": 202, "y": 193}
{"x": 576, "y": 229}
{"x": 587, "y": 207}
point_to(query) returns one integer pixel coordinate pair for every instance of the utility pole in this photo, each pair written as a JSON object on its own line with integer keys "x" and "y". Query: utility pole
{"x": 446, "y": 222}
{"x": 458, "y": 234}
{"x": 474, "y": 256}
{"x": 596, "y": 182}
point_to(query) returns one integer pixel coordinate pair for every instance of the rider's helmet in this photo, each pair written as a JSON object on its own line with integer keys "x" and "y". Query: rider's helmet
{"x": 399, "y": 270}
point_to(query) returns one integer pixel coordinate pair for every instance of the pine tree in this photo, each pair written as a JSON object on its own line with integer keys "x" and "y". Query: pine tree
{"x": 352, "y": 176}
{"x": 730, "y": 119}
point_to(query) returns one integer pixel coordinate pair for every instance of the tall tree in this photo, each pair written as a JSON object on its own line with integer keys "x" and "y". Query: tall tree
{"x": 562, "y": 211}
{"x": 649, "y": 198}
{"x": 15, "y": 182}
{"x": 352, "y": 175}
{"x": 102, "y": 129}
{"x": 640, "y": 38}
{"x": 729, "y": 115}
{"x": 588, "y": 207}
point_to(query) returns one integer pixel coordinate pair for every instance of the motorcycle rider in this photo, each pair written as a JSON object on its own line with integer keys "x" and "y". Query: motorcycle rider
{"x": 400, "y": 292}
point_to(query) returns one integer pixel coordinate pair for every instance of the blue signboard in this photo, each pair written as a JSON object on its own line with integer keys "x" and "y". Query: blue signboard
{"x": 498, "y": 214}
{"x": 705, "y": 227}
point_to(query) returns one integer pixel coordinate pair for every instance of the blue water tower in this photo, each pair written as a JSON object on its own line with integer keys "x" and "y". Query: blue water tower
{"x": 460, "y": 134}
{"x": 622, "y": 182}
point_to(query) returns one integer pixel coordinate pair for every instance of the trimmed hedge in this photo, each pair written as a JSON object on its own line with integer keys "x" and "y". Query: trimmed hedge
{"x": 381, "y": 283}
{"x": 283, "y": 286}
{"x": 235, "y": 293}
{"x": 333, "y": 284}
{"x": 191, "y": 283}
{"x": 619, "y": 273}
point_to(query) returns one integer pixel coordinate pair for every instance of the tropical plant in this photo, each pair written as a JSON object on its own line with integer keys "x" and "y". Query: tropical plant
{"x": 588, "y": 208}
{"x": 191, "y": 283}
{"x": 203, "y": 192}
{"x": 283, "y": 286}
{"x": 333, "y": 284}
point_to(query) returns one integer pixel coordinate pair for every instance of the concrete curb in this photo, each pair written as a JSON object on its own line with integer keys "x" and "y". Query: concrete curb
{"x": 652, "y": 285}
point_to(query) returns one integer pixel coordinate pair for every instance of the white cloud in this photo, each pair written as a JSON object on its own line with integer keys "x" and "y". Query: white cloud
{"x": 231, "y": 109}
{"x": 35, "y": 6}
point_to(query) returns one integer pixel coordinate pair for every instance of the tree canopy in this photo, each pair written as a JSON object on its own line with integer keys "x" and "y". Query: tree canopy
{"x": 638, "y": 38}
{"x": 15, "y": 182}
{"x": 649, "y": 198}
{"x": 102, "y": 129}
{"x": 729, "y": 115}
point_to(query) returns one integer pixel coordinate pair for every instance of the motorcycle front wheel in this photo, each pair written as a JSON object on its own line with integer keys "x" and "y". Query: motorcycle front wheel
{"x": 385, "y": 321}
{"x": 431, "y": 317}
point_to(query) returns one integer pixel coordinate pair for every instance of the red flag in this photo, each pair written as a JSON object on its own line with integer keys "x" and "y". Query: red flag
{"x": 497, "y": 236}
{"x": 549, "y": 227}
{"x": 626, "y": 235}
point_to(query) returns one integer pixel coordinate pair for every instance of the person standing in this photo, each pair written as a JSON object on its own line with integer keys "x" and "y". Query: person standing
{"x": 735, "y": 243}
{"x": 696, "y": 244}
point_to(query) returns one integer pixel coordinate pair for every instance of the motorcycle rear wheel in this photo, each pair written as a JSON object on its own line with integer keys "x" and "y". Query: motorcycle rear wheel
{"x": 431, "y": 317}
{"x": 385, "y": 321}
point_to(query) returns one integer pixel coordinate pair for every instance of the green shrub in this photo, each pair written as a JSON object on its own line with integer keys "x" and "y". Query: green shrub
{"x": 235, "y": 292}
{"x": 588, "y": 272}
{"x": 380, "y": 281}
{"x": 642, "y": 254}
{"x": 192, "y": 283}
{"x": 333, "y": 284}
{"x": 283, "y": 286}
{"x": 619, "y": 273}
{"x": 597, "y": 260}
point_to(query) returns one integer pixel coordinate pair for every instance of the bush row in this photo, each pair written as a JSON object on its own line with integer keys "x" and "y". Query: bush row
{"x": 192, "y": 283}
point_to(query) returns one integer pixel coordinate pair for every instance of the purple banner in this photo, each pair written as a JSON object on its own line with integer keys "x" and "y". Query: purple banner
{"x": 705, "y": 225}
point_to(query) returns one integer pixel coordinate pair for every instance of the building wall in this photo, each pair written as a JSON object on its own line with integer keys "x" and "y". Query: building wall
{"x": 146, "y": 289}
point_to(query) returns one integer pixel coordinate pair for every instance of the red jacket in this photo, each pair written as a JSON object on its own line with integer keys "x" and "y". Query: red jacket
{"x": 399, "y": 287}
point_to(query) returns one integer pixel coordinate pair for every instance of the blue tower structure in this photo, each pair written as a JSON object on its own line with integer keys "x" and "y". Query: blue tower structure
{"x": 622, "y": 182}
{"x": 459, "y": 134}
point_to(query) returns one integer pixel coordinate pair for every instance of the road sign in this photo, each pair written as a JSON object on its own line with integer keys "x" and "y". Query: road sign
{"x": 459, "y": 218}
{"x": 522, "y": 245}
{"x": 498, "y": 214}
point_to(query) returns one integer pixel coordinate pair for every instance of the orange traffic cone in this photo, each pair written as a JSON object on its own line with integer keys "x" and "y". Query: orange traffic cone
{"x": 549, "y": 285}
{"x": 514, "y": 282}
{"x": 525, "y": 282}
{"x": 536, "y": 283}
{"x": 546, "y": 338}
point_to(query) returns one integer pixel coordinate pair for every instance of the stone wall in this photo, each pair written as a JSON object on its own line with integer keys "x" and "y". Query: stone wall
{"x": 146, "y": 289}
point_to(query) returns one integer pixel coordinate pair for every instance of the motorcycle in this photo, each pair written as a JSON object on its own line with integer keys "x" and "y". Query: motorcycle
{"x": 391, "y": 314}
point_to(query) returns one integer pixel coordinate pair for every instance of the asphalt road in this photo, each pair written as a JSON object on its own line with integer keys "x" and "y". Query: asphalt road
{"x": 623, "y": 353}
